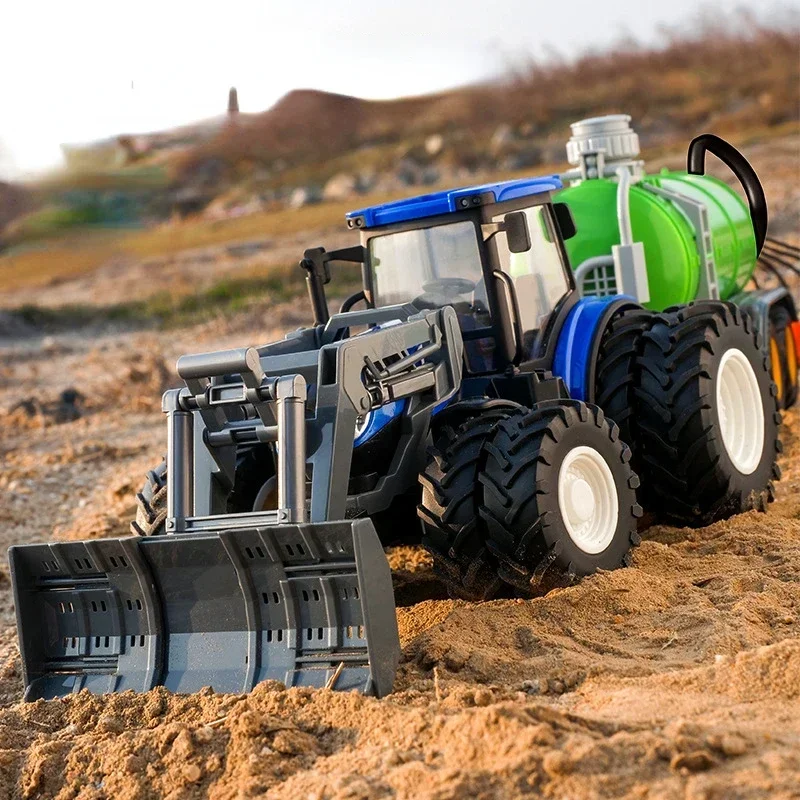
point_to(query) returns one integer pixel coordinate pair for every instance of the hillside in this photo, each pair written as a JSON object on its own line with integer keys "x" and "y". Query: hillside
{"x": 717, "y": 77}
{"x": 732, "y": 77}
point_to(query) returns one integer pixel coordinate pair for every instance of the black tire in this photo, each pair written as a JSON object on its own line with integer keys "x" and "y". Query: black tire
{"x": 451, "y": 495}
{"x": 687, "y": 473}
{"x": 526, "y": 525}
{"x": 253, "y": 468}
{"x": 780, "y": 329}
{"x": 616, "y": 372}
{"x": 151, "y": 504}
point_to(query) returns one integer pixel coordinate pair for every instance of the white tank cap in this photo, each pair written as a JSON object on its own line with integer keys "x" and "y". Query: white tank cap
{"x": 612, "y": 134}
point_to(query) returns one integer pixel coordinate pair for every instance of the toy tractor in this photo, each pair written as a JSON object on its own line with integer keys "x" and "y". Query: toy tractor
{"x": 475, "y": 389}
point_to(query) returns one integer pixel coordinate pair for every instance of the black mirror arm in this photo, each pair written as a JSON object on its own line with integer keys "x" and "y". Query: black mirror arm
{"x": 315, "y": 262}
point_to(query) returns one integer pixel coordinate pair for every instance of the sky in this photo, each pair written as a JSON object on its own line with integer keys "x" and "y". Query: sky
{"x": 78, "y": 71}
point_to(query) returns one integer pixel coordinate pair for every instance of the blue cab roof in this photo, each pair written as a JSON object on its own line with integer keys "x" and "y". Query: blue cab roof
{"x": 430, "y": 205}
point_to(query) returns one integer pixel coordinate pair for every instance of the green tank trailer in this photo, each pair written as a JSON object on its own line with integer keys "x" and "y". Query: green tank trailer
{"x": 676, "y": 236}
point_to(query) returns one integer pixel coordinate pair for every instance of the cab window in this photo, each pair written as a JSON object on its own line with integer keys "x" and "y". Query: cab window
{"x": 539, "y": 276}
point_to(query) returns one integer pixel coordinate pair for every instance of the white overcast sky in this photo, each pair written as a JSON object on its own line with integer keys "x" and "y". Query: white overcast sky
{"x": 81, "y": 70}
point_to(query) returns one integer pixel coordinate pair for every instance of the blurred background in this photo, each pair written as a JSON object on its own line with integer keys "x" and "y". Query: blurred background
{"x": 168, "y": 165}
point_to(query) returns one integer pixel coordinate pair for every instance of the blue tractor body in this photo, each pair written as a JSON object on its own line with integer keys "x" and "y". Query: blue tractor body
{"x": 564, "y": 356}
{"x": 413, "y": 209}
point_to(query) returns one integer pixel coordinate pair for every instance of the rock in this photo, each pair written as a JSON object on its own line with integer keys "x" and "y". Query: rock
{"x": 696, "y": 761}
{"x": 293, "y": 742}
{"x": 110, "y": 724}
{"x": 729, "y": 744}
{"x": 531, "y": 687}
{"x": 430, "y": 175}
{"x": 482, "y": 697}
{"x": 502, "y": 137}
{"x": 522, "y": 158}
{"x": 366, "y": 182}
{"x": 192, "y": 773}
{"x": 434, "y": 145}
{"x": 409, "y": 172}
{"x": 203, "y": 735}
{"x": 304, "y": 196}
{"x": 340, "y": 187}
{"x": 555, "y": 763}
{"x": 183, "y": 746}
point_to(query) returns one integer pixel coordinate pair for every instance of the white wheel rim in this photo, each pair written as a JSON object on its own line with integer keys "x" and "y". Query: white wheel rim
{"x": 587, "y": 498}
{"x": 740, "y": 411}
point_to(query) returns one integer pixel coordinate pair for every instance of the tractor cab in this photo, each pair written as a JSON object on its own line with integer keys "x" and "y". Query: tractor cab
{"x": 494, "y": 252}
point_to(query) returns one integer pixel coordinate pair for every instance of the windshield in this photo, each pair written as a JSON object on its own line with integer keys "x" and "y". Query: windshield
{"x": 435, "y": 267}
{"x": 540, "y": 280}
{"x": 429, "y": 267}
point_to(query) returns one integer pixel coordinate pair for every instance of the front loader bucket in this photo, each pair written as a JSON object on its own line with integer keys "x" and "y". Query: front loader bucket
{"x": 305, "y": 604}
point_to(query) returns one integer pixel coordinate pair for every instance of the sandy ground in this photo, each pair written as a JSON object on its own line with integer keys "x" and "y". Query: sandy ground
{"x": 678, "y": 677}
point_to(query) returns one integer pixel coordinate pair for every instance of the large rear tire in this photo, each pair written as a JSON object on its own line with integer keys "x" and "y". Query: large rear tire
{"x": 559, "y": 493}
{"x": 616, "y": 374}
{"x": 707, "y": 416}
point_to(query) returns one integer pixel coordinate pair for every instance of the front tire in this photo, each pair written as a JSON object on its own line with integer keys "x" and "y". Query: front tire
{"x": 559, "y": 493}
{"x": 707, "y": 416}
{"x": 452, "y": 531}
{"x": 254, "y": 468}
{"x": 151, "y": 504}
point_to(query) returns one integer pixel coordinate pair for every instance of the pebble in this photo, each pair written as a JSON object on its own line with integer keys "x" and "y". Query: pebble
{"x": 204, "y": 734}
{"x": 294, "y": 742}
{"x": 213, "y": 762}
{"x": 482, "y": 697}
{"x": 556, "y": 763}
{"x": 183, "y": 745}
{"x": 531, "y": 687}
{"x": 696, "y": 761}
{"x": 110, "y": 724}
{"x": 192, "y": 773}
{"x": 731, "y": 744}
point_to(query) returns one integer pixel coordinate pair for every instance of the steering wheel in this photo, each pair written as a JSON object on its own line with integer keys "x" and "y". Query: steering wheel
{"x": 449, "y": 286}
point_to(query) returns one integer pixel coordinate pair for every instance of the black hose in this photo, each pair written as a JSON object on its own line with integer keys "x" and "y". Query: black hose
{"x": 781, "y": 260}
{"x": 788, "y": 249}
{"x": 771, "y": 268}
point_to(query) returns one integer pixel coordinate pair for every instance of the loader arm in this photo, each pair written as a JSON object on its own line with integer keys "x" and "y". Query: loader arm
{"x": 298, "y": 593}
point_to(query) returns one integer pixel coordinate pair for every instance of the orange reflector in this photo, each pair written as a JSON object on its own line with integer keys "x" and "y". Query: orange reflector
{"x": 796, "y": 333}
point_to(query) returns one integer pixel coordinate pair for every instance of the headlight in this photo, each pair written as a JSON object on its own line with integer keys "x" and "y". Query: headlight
{"x": 362, "y": 421}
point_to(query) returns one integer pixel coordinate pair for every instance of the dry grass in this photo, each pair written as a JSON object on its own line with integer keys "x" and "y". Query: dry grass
{"x": 77, "y": 254}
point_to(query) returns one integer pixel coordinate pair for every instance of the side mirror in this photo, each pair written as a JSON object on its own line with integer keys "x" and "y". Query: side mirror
{"x": 565, "y": 220}
{"x": 518, "y": 237}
